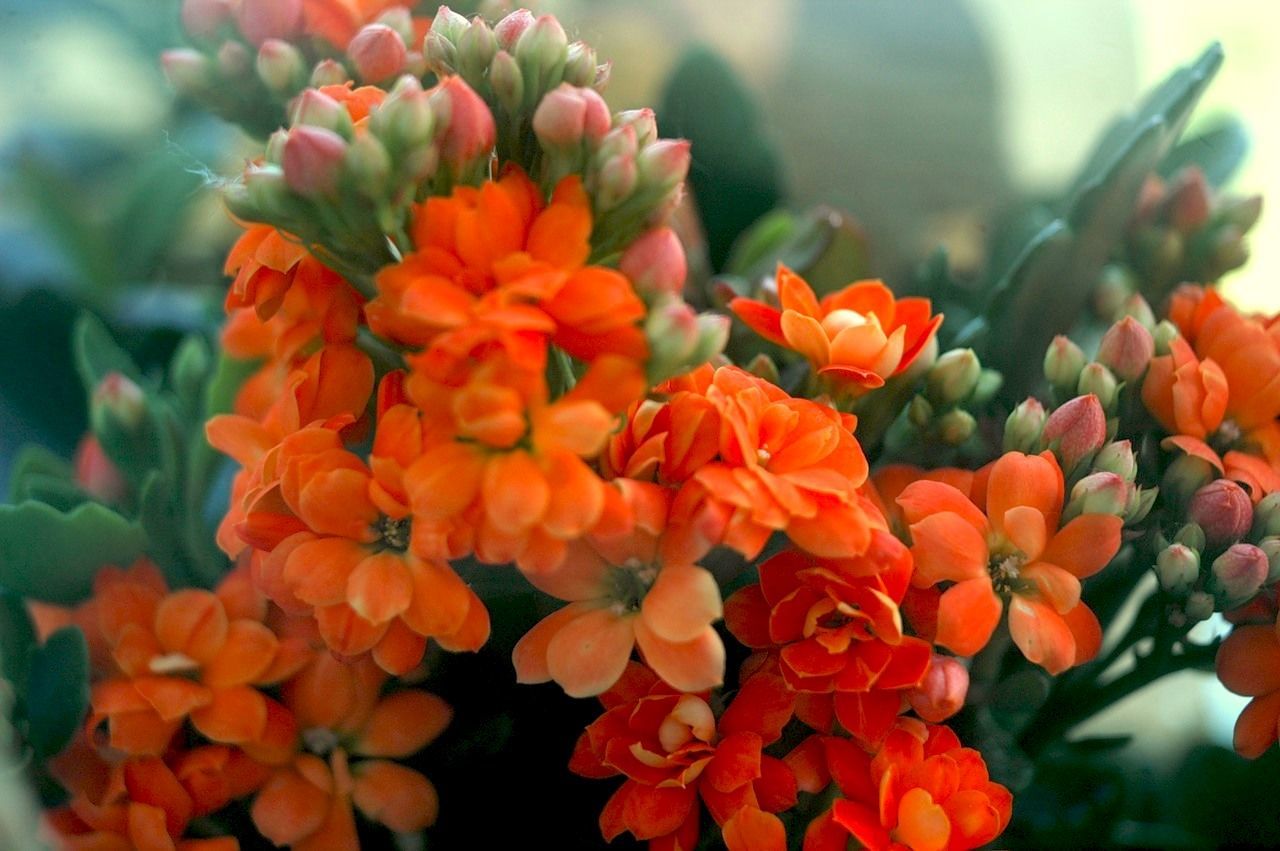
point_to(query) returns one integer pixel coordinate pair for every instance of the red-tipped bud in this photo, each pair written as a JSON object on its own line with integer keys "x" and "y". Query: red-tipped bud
{"x": 1023, "y": 428}
{"x": 656, "y": 262}
{"x": 95, "y": 472}
{"x": 314, "y": 108}
{"x": 1138, "y": 307}
{"x": 312, "y": 160}
{"x": 1117, "y": 458}
{"x": 1127, "y": 348}
{"x": 448, "y": 24}
{"x": 377, "y": 52}
{"x": 1238, "y": 574}
{"x": 1078, "y": 427}
{"x": 567, "y": 116}
{"x": 1062, "y": 364}
{"x": 506, "y": 80}
{"x": 942, "y": 692}
{"x": 329, "y": 72}
{"x": 1099, "y": 493}
{"x": 234, "y": 59}
{"x": 1177, "y": 568}
{"x": 642, "y": 122}
{"x": 260, "y": 20}
{"x": 187, "y": 69}
{"x": 1223, "y": 510}
{"x": 580, "y": 68}
{"x": 203, "y": 18}
{"x": 280, "y": 66}
{"x": 1191, "y": 201}
{"x": 509, "y": 29}
{"x": 117, "y": 401}
{"x": 469, "y": 131}
{"x": 665, "y": 163}
{"x": 543, "y": 44}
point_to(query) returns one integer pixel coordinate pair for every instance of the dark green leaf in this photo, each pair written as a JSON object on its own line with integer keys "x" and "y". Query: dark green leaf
{"x": 50, "y": 556}
{"x": 158, "y": 514}
{"x": 17, "y": 638}
{"x": 56, "y": 492}
{"x": 35, "y": 460}
{"x": 57, "y": 691}
{"x": 188, "y": 372}
{"x": 97, "y": 354}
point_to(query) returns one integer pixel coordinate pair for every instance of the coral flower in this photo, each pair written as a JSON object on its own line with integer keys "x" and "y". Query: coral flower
{"x": 839, "y": 630}
{"x": 623, "y": 594}
{"x": 855, "y": 338}
{"x": 1248, "y": 664}
{"x": 1187, "y": 395}
{"x": 352, "y": 737}
{"x": 1015, "y": 553}
{"x": 338, "y": 21}
{"x": 1248, "y": 350}
{"x": 672, "y": 751}
{"x": 921, "y": 792}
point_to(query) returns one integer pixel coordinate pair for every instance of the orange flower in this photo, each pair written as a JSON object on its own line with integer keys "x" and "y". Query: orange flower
{"x": 1248, "y": 350}
{"x": 922, "y": 791}
{"x": 622, "y": 593}
{"x": 308, "y": 803}
{"x": 1248, "y": 664}
{"x": 837, "y": 625}
{"x": 672, "y": 751}
{"x": 854, "y": 339}
{"x": 1187, "y": 395}
{"x": 337, "y": 21}
{"x": 1014, "y": 553}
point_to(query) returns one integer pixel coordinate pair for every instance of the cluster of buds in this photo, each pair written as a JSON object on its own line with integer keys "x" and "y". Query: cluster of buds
{"x": 1182, "y": 231}
{"x": 1227, "y": 552}
{"x": 249, "y": 60}
{"x": 1109, "y": 487}
{"x": 954, "y": 386}
{"x": 1123, "y": 356}
{"x": 346, "y": 173}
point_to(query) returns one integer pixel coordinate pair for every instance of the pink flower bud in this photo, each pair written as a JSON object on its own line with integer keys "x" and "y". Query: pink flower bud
{"x": 942, "y": 692}
{"x": 580, "y": 68}
{"x": 329, "y": 72}
{"x": 377, "y": 52}
{"x": 280, "y": 66}
{"x": 543, "y": 44}
{"x": 1127, "y": 348}
{"x": 469, "y": 131}
{"x": 1238, "y": 574}
{"x": 1024, "y": 426}
{"x": 234, "y": 59}
{"x": 656, "y": 262}
{"x": 1223, "y": 510}
{"x": 260, "y": 20}
{"x": 1079, "y": 427}
{"x": 665, "y": 163}
{"x": 187, "y": 69}
{"x": 567, "y": 116}
{"x": 95, "y": 472}
{"x": 448, "y": 24}
{"x": 1099, "y": 493}
{"x": 312, "y": 160}
{"x": 118, "y": 399}
{"x": 509, "y": 29}
{"x": 203, "y": 18}
{"x": 642, "y": 122}
{"x": 1063, "y": 362}
{"x": 616, "y": 181}
{"x": 314, "y": 108}
{"x": 1190, "y": 203}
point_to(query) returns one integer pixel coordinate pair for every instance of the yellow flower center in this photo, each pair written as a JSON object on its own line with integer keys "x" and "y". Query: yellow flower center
{"x": 838, "y": 320}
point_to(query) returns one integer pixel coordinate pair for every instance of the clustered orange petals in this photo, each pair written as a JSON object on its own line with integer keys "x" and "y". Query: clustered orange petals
{"x": 673, "y": 751}
{"x": 1012, "y": 554}
{"x": 854, "y": 338}
{"x": 920, "y": 791}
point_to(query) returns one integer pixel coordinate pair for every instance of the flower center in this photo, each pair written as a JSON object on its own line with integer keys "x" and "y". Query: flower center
{"x": 173, "y": 663}
{"x": 319, "y": 740}
{"x": 629, "y": 583}
{"x": 394, "y": 534}
{"x": 1227, "y": 435}
{"x": 1005, "y": 570}
{"x": 838, "y": 320}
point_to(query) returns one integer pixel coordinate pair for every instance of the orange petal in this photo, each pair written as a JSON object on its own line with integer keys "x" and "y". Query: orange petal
{"x": 237, "y": 714}
{"x": 380, "y": 587}
{"x": 529, "y": 656}
{"x": 400, "y": 650}
{"x": 336, "y": 502}
{"x": 1086, "y": 544}
{"x": 1256, "y": 727}
{"x": 346, "y": 632}
{"x": 289, "y": 808}
{"x": 1054, "y": 585}
{"x": 946, "y": 547}
{"x": 403, "y": 724}
{"x": 1087, "y": 632}
{"x": 473, "y": 633}
{"x": 1041, "y": 634}
{"x": 193, "y": 623}
{"x": 1248, "y": 661}
{"x": 683, "y": 601}
{"x": 922, "y": 824}
{"x": 173, "y": 697}
{"x": 440, "y": 600}
{"x": 805, "y": 335}
{"x": 515, "y": 492}
{"x": 751, "y": 829}
{"x": 317, "y": 571}
{"x": 1032, "y": 480}
{"x": 1025, "y": 528}
{"x": 694, "y": 665}
{"x": 967, "y": 615}
{"x": 398, "y": 797}
{"x": 249, "y": 650}
{"x": 925, "y": 497}
{"x": 590, "y": 652}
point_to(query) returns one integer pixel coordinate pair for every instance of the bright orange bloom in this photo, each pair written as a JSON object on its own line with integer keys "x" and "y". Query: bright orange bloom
{"x": 672, "y": 751}
{"x": 837, "y": 625}
{"x": 1248, "y": 664}
{"x": 854, "y": 339}
{"x": 1014, "y": 553}
{"x": 338, "y": 21}
{"x": 1187, "y": 395}
{"x": 196, "y": 654}
{"x": 921, "y": 792}
{"x": 623, "y": 593}
{"x": 308, "y": 804}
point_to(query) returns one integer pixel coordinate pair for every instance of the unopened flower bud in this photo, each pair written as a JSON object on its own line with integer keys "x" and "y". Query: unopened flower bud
{"x": 953, "y": 377}
{"x": 234, "y": 59}
{"x": 1271, "y": 547}
{"x": 1266, "y": 516}
{"x": 440, "y": 53}
{"x": 506, "y": 80}
{"x": 260, "y": 20}
{"x": 1238, "y": 574}
{"x": 469, "y": 133}
{"x": 449, "y": 24}
{"x": 1242, "y": 212}
{"x": 542, "y": 46}
{"x": 117, "y": 402}
{"x": 956, "y": 426}
{"x": 1185, "y": 475}
{"x": 1223, "y": 510}
{"x": 314, "y": 108}
{"x": 567, "y": 116}
{"x": 763, "y": 366}
{"x": 1115, "y": 285}
{"x": 989, "y": 383}
{"x": 1077, "y": 428}
{"x": 476, "y": 48}
{"x": 580, "y": 67}
{"x": 368, "y": 165}
{"x": 1101, "y": 382}
{"x": 1164, "y": 335}
{"x": 615, "y": 182}
{"x": 680, "y": 339}
{"x": 509, "y": 29}
{"x": 377, "y": 52}
{"x": 312, "y": 160}
{"x": 274, "y": 153}
{"x": 1136, "y": 306}
{"x": 1023, "y": 428}
{"x": 205, "y": 18}
{"x": 1191, "y": 535}
{"x": 328, "y": 72}
{"x": 643, "y": 124}
{"x": 405, "y": 121}
{"x": 1062, "y": 364}
{"x": 1127, "y": 348}
{"x": 1141, "y": 501}
{"x": 1190, "y": 200}
{"x": 664, "y": 164}
{"x": 1099, "y": 493}
{"x": 655, "y": 263}
{"x": 1177, "y": 568}
{"x": 1229, "y": 250}
{"x": 188, "y": 70}
{"x": 400, "y": 19}
{"x": 280, "y": 66}
{"x": 920, "y": 412}
{"x": 265, "y": 193}
{"x": 1117, "y": 458}
{"x": 1199, "y": 606}
{"x": 942, "y": 692}
{"x": 96, "y": 473}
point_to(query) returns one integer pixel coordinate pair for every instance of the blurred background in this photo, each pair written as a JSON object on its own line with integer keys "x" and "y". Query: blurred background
{"x": 927, "y": 122}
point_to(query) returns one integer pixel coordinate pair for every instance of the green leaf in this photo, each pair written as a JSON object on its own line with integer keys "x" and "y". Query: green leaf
{"x": 34, "y": 460}
{"x": 56, "y": 492}
{"x": 51, "y": 556}
{"x": 188, "y": 372}
{"x": 158, "y": 514}
{"x": 17, "y": 638}
{"x": 1218, "y": 151}
{"x": 97, "y": 354}
{"x": 1047, "y": 286}
{"x": 57, "y": 691}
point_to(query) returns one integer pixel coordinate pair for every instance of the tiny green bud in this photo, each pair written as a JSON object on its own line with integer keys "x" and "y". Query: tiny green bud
{"x": 920, "y": 412}
{"x": 1177, "y": 568}
{"x": 1101, "y": 382}
{"x": 1191, "y": 535}
{"x": 953, "y": 377}
{"x": 1062, "y": 365}
{"x": 956, "y": 426}
{"x": 1024, "y": 426}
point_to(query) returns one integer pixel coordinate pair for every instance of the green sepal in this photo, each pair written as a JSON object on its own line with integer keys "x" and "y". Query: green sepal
{"x": 97, "y": 355}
